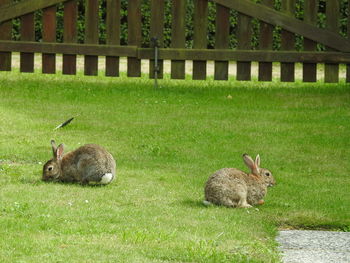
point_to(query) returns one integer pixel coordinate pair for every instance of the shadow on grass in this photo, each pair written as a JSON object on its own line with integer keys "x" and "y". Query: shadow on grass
{"x": 193, "y": 203}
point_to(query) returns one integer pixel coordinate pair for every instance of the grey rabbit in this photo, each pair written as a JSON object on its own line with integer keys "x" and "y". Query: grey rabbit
{"x": 234, "y": 188}
{"x": 89, "y": 163}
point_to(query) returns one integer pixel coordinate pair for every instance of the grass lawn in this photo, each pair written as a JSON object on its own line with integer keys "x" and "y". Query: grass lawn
{"x": 167, "y": 142}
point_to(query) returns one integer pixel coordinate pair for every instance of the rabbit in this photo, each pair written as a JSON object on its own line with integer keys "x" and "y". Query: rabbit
{"x": 234, "y": 188}
{"x": 88, "y": 163}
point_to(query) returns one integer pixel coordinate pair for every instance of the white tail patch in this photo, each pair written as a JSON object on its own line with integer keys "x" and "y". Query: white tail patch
{"x": 206, "y": 203}
{"x": 106, "y": 178}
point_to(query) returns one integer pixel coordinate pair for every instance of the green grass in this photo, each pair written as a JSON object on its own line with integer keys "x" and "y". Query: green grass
{"x": 167, "y": 142}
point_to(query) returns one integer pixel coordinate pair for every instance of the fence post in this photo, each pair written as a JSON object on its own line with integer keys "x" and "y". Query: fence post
{"x": 331, "y": 70}
{"x": 200, "y": 37}
{"x": 265, "y": 68}
{"x": 134, "y": 36}
{"x": 288, "y": 43}
{"x": 157, "y": 31}
{"x": 49, "y": 35}
{"x": 244, "y": 39}
{"x": 27, "y": 34}
{"x": 222, "y": 40}
{"x": 91, "y": 35}
{"x": 69, "y": 65}
{"x": 113, "y": 35}
{"x": 310, "y": 16}
{"x": 178, "y": 37}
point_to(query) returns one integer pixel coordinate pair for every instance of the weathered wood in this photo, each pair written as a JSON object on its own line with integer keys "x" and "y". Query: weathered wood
{"x": 171, "y": 53}
{"x": 157, "y": 31}
{"x": 244, "y": 38}
{"x": 289, "y": 23}
{"x": 245, "y": 55}
{"x": 5, "y": 34}
{"x": 265, "y": 43}
{"x": 91, "y": 35}
{"x": 69, "y": 48}
{"x": 27, "y": 34}
{"x": 331, "y": 71}
{"x": 310, "y": 17}
{"x": 288, "y": 43}
{"x": 24, "y": 7}
{"x": 178, "y": 37}
{"x": 69, "y": 65}
{"x": 348, "y": 35}
{"x": 49, "y": 35}
{"x": 200, "y": 37}
{"x": 134, "y": 36}
{"x": 113, "y": 35}
{"x": 222, "y": 40}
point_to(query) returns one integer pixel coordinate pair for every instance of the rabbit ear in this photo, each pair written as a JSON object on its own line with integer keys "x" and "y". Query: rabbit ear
{"x": 251, "y": 164}
{"x": 59, "y": 152}
{"x": 54, "y": 148}
{"x": 257, "y": 160}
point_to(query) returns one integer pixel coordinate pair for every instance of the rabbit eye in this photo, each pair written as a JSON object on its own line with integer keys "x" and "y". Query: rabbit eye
{"x": 267, "y": 174}
{"x": 50, "y": 168}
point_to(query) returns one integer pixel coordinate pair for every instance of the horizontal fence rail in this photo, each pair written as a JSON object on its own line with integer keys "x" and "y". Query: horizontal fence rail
{"x": 181, "y": 30}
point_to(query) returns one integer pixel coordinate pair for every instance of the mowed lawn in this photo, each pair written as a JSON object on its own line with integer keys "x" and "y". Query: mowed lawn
{"x": 167, "y": 142}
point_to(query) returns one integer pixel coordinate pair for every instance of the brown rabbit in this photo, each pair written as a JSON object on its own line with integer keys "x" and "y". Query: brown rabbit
{"x": 88, "y": 163}
{"x": 234, "y": 188}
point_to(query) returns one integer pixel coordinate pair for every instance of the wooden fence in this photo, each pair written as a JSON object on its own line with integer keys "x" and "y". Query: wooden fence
{"x": 336, "y": 51}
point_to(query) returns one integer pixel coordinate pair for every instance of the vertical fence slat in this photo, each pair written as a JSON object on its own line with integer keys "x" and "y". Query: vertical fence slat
{"x": 69, "y": 65}
{"x": 265, "y": 43}
{"x": 49, "y": 35}
{"x": 244, "y": 38}
{"x": 348, "y": 34}
{"x": 200, "y": 37}
{"x": 27, "y": 34}
{"x": 222, "y": 40}
{"x": 91, "y": 35}
{"x": 288, "y": 43}
{"x": 178, "y": 37}
{"x": 331, "y": 70}
{"x": 310, "y": 16}
{"x": 134, "y": 36}
{"x": 113, "y": 35}
{"x": 5, "y": 34}
{"x": 157, "y": 30}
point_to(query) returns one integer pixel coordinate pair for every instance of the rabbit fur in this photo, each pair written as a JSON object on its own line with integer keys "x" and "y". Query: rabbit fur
{"x": 89, "y": 163}
{"x": 234, "y": 188}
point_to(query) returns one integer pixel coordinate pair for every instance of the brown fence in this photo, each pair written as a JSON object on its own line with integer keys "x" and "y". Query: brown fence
{"x": 336, "y": 51}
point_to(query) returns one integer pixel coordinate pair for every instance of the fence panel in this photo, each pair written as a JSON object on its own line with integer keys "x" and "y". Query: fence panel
{"x": 337, "y": 47}
{"x": 5, "y": 34}
{"x": 348, "y": 35}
